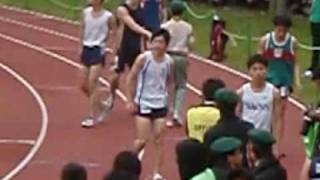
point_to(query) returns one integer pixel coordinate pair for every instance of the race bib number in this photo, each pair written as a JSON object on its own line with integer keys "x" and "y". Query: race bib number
{"x": 278, "y": 52}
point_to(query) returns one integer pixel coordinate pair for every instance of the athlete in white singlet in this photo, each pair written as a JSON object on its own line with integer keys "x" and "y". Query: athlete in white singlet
{"x": 148, "y": 92}
{"x": 260, "y": 100}
{"x": 96, "y": 26}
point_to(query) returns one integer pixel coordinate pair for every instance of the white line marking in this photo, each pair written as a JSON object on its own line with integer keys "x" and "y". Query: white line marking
{"x": 18, "y": 141}
{"x": 56, "y": 56}
{"x": 44, "y": 124}
{"x": 201, "y": 59}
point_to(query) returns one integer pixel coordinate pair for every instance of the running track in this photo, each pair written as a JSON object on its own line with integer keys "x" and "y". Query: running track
{"x": 43, "y": 52}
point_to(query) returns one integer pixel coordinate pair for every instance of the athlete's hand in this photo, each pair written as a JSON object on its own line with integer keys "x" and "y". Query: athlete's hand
{"x": 131, "y": 107}
{"x": 148, "y": 34}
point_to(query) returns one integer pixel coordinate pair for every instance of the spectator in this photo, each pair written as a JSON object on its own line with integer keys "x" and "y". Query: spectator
{"x": 191, "y": 158}
{"x": 230, "y": 125}
{"x": 120, "y": 175}
{"x": 266, "y": 166}
{"x": 179, "y": 48}
{"x": 200, "y": 118}
{"x": 127, "y": 161}
{"x": 228, "y": 155}
{"x": 218, "y": 39}
{"x": 315, "y": 32}
{"x": 73, "y": 171}
{"x": 240, "y": 174}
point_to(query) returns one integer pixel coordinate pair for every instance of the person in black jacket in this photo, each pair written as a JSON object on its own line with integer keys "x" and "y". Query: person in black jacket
{"x": 266, "y": 166}
{"x": 230, "y": 124}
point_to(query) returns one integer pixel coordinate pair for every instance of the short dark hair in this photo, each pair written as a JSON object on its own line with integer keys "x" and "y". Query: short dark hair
{"x": 243, "y": 174}
{"x": 162, "y": 32}
{"x": 282, "y": 21}
{"x": 74, "y": 171}
{"x": 120, "y": 175}
{"x": 127, "y": 161}
{"x": 210, "y": 86}
{"x": 262, "y": 151}
{"x": 257, "y": 59}
{"x": 192, "y": 158}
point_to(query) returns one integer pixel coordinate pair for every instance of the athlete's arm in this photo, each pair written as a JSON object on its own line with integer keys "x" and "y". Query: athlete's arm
{"x": 261, "y": 45}
{"x": 132, "y": 77}
{"x": 81, "y": 32}
{"x": 277, "y": 122}
{"x": 191, "y": 40}
{"x": 112, "y": 35}
{"x": 123, "y": 15}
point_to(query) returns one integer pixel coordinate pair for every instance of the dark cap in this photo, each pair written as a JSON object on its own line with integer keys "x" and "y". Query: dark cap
{"x": 177, "y": 5}
{"x": 226, "y": 96}
{"x": 225, "y": 144}
{"x": 261, "y": 138}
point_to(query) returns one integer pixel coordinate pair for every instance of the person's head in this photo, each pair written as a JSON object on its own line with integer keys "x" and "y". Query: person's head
{"x": 260, "y": 144}
{"x": 281, "y": 26}
{"x": 240, "y": 174}
{"x": 210, "y": 87}
{"x": 95, "y": 3}
{"x": 226, "y": 100}
{"x": 191, "y": 158}
{"x": 120, "y": 175}
{"x": 228, "y": 148}
{"x": 316, "y": 77}
{"x": 160, "y": 41}
{"x": 257, "y": 66}
{"x": 73, "y": 171}
{"x": 135, "y": 2}
{"x": 177, "y": 8}
{"x": 127, "y": 161}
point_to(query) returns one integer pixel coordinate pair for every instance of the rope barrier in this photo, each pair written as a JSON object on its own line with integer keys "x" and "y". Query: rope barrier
{"x": 197, "y": 16}
{"x": 233, "y": 37}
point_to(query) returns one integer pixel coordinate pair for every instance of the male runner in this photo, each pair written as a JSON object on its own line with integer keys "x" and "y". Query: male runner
{"x": 96, "y": 28}
{"x": 147, "y": 93}
{"x": 260, "y": 100}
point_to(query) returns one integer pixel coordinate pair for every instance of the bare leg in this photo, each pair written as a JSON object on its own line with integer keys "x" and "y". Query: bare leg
{"x": 305, "y": 170}
{"x": 83, "y": 74}
{"x": 143, "y": 128}
{"x": 158, "y": 131}
{"x": 93, "y": 84}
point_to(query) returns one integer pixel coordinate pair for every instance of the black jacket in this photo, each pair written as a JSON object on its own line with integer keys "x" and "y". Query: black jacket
{"x": 232, "y": 126}
{"x": 269, "y": 169}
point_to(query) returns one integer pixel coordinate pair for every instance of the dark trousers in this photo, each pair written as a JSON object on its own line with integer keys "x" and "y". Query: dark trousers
{"x": 315, "y": 32}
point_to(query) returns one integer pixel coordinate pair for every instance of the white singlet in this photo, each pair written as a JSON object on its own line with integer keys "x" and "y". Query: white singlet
{"x": 257, "y": 107}
{"x": 95, "y": 28}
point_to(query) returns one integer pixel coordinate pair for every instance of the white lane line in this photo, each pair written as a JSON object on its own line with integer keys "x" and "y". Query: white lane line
{"x": 18, "y": 141}
{"x": 196, "y": 57}
{"x": 56, "y": 56}
{"x": 68, "y": 37}
{"x": 44, "y": 122}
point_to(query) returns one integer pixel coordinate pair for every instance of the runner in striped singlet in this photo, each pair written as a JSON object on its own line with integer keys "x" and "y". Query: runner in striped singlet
{"x": 148, "y": 92}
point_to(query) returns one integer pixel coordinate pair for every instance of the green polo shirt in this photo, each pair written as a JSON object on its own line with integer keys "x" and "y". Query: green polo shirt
{"x": 205, "y": 175}
{"x": 315, "y": 11}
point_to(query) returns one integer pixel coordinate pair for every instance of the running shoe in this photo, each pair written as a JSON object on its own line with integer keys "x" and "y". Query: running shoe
{"x": 105, "y": 107}
{"x": 141, "y": 154}
{"x": 87, "y": 122}
{"x": 157, "y": 176}
{"x": 173, "y": 123}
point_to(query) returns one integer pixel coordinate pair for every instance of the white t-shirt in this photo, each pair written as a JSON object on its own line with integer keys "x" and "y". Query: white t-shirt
{"x": 181, "y": 35}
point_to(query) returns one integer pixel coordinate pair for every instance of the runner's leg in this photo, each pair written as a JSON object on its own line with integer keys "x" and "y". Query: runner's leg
{"x": 158, "y": 131}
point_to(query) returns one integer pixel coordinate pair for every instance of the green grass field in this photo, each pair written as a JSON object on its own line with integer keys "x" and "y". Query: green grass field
{"x": 239, "y": 20}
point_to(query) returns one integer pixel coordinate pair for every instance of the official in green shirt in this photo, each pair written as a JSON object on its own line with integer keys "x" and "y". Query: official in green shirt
{"x": 315, "y": 33}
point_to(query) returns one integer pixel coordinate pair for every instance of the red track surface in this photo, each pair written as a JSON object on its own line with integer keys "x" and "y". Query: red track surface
{"x": 66, "y": 140}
